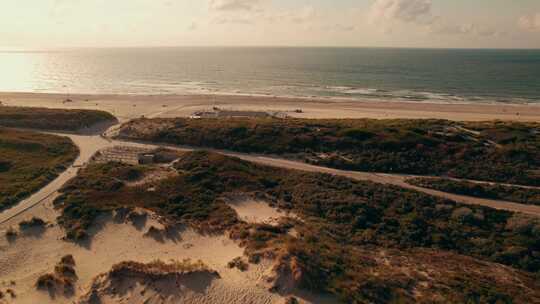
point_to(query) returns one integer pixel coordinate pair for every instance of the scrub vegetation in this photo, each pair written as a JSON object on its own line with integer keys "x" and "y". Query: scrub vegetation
{"x": 362, "y": 241}
{"x": 490, "y": 151}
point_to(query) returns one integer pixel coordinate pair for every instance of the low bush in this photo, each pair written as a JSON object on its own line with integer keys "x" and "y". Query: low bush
{"x": 34, "y": 222}
{"x": 61, "y": 280}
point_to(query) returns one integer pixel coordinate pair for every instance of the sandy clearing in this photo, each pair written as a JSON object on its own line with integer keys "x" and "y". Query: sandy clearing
{"x": 127, "y": 107}
{"x": 255, "y": 211}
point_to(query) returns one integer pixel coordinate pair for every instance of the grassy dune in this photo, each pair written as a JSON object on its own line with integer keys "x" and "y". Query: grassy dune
{"x": 28, "y": 161}
{"x": 492, "y": 151}
{"x": 52, "y": 119}
{"x": 361, "y": 241}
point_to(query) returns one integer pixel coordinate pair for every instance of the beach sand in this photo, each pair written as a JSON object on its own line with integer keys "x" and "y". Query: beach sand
{"x": 127, "y": 107}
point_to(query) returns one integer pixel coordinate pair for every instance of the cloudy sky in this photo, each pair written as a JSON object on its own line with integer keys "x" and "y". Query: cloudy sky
{"x": 384, "y": 23}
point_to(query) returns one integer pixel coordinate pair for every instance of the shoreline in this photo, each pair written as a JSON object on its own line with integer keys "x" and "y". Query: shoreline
{"x": 129, "y": 106}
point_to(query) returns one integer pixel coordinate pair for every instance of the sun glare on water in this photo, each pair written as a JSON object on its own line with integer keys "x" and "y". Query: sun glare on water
{"x": 19, "y": 71}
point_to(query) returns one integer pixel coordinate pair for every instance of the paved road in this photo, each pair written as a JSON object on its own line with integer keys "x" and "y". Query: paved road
{"x": 89, "y": 145}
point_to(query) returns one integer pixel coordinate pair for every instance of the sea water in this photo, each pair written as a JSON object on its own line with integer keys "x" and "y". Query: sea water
{"x": 416, "y": 75}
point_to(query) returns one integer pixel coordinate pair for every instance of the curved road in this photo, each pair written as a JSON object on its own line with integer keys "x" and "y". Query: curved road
{"x": 89, "y": 145}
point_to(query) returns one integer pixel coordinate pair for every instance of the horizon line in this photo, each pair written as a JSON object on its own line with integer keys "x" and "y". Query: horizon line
{"x": 49, "y": 49}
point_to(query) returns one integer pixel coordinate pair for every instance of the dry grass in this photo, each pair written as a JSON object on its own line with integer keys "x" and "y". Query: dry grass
{"x": 239, "y": 264}
{"x": 161, "y": 268}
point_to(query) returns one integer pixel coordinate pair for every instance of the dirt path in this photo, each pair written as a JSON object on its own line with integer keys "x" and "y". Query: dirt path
{"x": 397, "y": 180}
{"x": 89, "y": 145}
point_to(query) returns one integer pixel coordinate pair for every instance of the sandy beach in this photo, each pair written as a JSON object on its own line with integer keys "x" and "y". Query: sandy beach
{"x": 127, "y": 107}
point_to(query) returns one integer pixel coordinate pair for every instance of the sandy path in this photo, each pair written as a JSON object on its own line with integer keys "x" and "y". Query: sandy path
{"x": 397, "y": 180}
{"x": 383, "y": 178}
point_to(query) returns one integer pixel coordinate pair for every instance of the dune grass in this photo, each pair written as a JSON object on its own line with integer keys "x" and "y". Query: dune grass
{"x": 62, "y": 280}
{"x": 354, "y": 238}
{"x": 51, "y": 119}
{"x": 28, "y": 161}
{"x": 161, "y": 268}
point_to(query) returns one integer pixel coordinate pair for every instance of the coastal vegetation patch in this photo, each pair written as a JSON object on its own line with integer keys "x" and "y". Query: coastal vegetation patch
{"x": 362, "y": 241}
{"x": 495, "y": 151}
{"x": 29, "y": 161}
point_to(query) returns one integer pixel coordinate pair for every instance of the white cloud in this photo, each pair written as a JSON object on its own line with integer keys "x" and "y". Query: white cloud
{"x": 233, "y": 5}
{"x": 530, "y": 22}
{"x": 452, "y": 29}
{"x": 338, "y": 27}
{"x": 463, "y": 29}
{"x": 410, "y": 11}
{"x": 234, "y": 20}
{"x": 303, "y": 15}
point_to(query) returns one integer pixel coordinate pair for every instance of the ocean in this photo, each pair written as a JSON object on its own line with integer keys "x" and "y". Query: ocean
{"x": 415, "y": 75}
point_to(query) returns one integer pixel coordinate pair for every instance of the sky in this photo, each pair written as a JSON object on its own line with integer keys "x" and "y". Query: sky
{"x": 46, "y": 24}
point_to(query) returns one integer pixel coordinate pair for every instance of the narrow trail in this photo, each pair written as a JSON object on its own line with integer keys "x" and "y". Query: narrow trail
{"x": 396, "y": 180}
{"x": 382, "y": 178}
{"x": 90, "y": 144}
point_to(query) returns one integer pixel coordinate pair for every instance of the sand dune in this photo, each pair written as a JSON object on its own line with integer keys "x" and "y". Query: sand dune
{"x": 27, "y": 257}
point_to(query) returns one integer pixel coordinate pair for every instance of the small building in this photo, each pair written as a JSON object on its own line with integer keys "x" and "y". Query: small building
{"x": 199, "y": 115}
{"x": 145, "y": 159}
